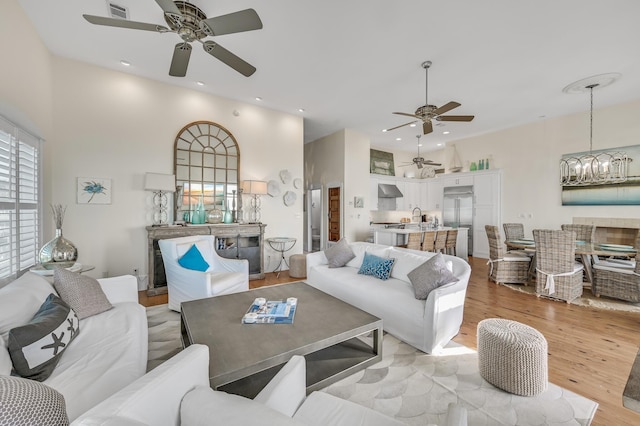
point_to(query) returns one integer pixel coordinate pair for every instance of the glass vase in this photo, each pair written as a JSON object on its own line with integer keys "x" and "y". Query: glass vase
{"x": 214, "y": 216}
{"x": 199, "y": 215}
{"x": 58, "y": 252}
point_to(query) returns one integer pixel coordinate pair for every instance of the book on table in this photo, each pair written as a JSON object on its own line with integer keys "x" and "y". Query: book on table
{"x": 264, "y": 311}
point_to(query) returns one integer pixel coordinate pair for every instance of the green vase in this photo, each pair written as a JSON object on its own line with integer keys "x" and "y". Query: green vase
{"x": 199, "y": 215}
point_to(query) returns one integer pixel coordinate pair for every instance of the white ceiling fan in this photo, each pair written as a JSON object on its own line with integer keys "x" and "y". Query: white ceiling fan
{"x": 419, "y": 161}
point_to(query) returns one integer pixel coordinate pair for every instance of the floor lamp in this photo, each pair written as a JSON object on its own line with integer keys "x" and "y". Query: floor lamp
{"x": 255, "y": 188}
{"x": 160, "y": 184}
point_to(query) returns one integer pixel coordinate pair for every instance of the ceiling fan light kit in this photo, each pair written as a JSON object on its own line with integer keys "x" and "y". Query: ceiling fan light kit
{"x": 430, "y": 113}
{"x": 192, "y": 24}
{"x": 602, "y": 167}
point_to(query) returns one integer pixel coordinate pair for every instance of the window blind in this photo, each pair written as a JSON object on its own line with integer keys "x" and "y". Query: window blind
{"x": 20, "y": 200}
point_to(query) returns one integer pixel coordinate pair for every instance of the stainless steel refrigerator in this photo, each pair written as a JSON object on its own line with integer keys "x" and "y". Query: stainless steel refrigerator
{"x": 457, "y": 209}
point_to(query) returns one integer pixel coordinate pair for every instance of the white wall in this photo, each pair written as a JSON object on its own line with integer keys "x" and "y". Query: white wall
{"x": 529, "y": 156}
{"x": 356, "y": 178}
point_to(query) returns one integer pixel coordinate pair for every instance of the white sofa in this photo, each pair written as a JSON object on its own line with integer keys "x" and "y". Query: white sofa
{"x": 224, "y": 276}
{"x": 427, "y": 325}
{"x": 177, "y": 393}
{"x": 109, "y": 352}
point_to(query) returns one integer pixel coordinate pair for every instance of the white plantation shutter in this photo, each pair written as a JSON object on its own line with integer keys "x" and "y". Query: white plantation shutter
{"x": 20, "y": 200}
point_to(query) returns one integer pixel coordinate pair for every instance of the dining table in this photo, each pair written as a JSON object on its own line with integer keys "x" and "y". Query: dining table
{"x": 588, "y": 252}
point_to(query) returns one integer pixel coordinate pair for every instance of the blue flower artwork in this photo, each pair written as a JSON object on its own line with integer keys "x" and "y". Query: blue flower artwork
{"x": 94, "y": 191}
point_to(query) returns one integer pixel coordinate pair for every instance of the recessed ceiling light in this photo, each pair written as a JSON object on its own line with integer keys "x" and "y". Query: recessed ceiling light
{"x": 258, "y": 98}
{"x": 412, "y": 125}
{"x": 398, "y": 139}
{"x": 300, "y": 109}
{"x": 440, "y": 144}
{"x": 384, "y": 130}
{"x": 446, "y": 132}
{"x": 200, "y": 83}
{"x": 125, "y": 63}
{"x": 419, "y": 144}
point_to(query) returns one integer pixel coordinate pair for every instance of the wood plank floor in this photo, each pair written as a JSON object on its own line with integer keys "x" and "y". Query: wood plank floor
{"x": 591, "y": 351}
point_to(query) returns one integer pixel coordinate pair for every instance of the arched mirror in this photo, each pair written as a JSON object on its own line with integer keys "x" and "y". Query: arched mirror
{"x": 207, "y": 169}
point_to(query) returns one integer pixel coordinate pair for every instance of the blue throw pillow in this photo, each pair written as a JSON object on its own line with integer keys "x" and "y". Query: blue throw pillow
{"x": 193, "y": 259}
{"x": 378, "y": 267}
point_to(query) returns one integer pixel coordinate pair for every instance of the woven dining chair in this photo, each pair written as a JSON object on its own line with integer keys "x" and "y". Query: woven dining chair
{"x": 441, "y": 242}
{"x": 586, "y": 233}
{"x": 558, "y": 276}
{"x": 505, "y": 266}
{"x": 618, "y": 279}
{"x": 428, "y": 241}
{"x": 414, "y": 241}
{"x": 450, "y": 243}
{"x": 513, "y": 231}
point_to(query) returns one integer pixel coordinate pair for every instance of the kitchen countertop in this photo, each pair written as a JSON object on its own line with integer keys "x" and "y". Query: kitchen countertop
{"x": 414, "y": 228}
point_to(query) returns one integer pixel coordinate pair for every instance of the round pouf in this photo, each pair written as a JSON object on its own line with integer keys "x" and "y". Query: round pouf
{"x": 298, "y": 266}
{"x": 512, "y": 356}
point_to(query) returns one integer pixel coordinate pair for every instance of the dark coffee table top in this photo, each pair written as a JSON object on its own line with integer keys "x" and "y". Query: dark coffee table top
{"x": 238, "y": 350}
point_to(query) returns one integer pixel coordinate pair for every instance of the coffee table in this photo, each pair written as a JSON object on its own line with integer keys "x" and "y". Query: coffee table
{"x": 244, "y": 357}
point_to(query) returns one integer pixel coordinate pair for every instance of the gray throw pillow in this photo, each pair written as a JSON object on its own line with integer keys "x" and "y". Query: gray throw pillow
{"x": 82, "y": 293}
{"x": 430, "y": 275}
{"x": 339, "y": 254}
{"x": 35, "y": 348}
{"x": 25, "y": 402}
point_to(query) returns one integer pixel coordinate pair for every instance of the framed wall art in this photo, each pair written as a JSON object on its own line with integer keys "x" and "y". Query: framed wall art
{"x": 381, "y": 163}
{"x": 93, "y": 190}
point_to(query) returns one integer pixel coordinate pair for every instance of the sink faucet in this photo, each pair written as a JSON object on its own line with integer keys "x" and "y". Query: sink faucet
{"x": 419, "y": 213}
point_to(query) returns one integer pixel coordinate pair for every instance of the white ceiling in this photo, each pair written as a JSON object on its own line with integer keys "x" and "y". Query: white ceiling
{"x": 351, "y": 63}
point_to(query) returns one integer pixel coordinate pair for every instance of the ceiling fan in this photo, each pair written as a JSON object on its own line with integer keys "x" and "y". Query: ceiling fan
{"x": 427, "y": 113}
{"x": 420, "y": 162}
{"x": 191, "y": 24}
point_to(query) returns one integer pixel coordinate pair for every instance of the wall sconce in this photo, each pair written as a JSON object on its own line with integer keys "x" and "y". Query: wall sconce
{"x": 160, "y": 184}
{"x": 255, "y": 188}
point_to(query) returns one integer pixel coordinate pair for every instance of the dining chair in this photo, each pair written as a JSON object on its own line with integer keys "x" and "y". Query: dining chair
{"x": 215, "y": 277}
{"x": 505, "y": 266}
{"x": 414, "y": 241}
{"x": 450, "y": 243}
{"x": 428, "y": 241}
{"x": 513, "y": 231}
{"x": 618, "y": 279}
{"x": 586, "y": 233}
{"x": 558, "y": 275}
{"x": 441, "y": 242}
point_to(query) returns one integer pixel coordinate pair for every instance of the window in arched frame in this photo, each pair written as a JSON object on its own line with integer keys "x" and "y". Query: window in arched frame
{"x": 207, "y": 167}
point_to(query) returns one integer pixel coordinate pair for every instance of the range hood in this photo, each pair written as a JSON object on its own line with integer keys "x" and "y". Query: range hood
{"x": 386, "y": 190}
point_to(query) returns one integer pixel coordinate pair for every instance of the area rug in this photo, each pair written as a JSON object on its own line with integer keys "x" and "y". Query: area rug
{"x": 587, "y": 299}
{"x": 416, "y": 388}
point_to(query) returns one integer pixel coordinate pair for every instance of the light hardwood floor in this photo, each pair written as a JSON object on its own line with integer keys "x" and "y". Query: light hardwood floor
{"x": 591, "y": 351}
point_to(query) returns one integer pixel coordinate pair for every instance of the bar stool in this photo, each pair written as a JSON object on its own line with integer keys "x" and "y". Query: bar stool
{"x": 428, "y": 241}
{"x": 450, "y": 244}
{"x": 441, "y": 242}
{"x": 414, "y": 241}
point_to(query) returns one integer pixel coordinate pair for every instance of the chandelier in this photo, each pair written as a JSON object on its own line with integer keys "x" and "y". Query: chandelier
{"x": 599, "y": 168}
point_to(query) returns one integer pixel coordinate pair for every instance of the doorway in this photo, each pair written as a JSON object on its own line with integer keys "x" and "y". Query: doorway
{"x": 314, "y": 219}
{"x": 334, "y": 214}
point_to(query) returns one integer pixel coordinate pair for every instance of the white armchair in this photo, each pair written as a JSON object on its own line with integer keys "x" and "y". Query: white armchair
{"x": 224, "y": 276}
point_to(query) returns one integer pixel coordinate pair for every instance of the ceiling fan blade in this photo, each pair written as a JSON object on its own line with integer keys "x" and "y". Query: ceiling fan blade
{"x": 455, "y": 118}
{"x": 427, "y": 127}
{"x": 169, "y": 7}
{"x": 402, "y": 125}
{"x": 236, "y": 22}
{"x": 180, "y": 60}
{"x": 432, "y": 163}
{"x": 123, "y": 23}
{"x": 408, "y": 115}
{"x": 446, "y": 107}
{"x": 222, "y": 54}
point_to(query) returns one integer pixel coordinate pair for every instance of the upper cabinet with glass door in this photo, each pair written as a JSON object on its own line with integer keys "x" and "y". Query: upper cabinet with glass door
{"x": 207, "y": 168}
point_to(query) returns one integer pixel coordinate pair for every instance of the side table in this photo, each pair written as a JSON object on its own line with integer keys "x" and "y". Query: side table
{"x": 281, "y": 245}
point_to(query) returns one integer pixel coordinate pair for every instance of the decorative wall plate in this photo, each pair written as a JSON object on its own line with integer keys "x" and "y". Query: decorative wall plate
{"x": 285, "y": 176}
{"x": 289, "y": 198}
{"x": 273, "y": 188}
{"x": 297, "y": 183}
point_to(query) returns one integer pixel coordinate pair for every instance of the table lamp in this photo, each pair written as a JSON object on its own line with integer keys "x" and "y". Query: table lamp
{"x": 160, "y": 184}
{"x": 255, "y": 188}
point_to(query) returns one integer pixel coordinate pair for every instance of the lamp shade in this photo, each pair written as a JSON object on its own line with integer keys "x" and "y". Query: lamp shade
{"x": 255, "y": 187}
{"x": 159, "y": 182}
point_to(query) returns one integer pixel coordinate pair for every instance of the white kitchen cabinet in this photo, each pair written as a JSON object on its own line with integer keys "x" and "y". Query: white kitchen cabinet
{"x": 433, "y": 195}
{"x": 412, "y": 197}
{"x": 457, "y": 181}
{"x": 487, "y": 188}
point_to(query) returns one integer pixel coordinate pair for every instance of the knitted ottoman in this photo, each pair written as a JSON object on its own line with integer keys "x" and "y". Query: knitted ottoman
{"x": 298, "y": 266}
{"x": 512, "y": 356}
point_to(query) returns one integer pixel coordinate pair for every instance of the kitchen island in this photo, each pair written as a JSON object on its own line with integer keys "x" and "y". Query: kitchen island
{"x": 397, "y": 237}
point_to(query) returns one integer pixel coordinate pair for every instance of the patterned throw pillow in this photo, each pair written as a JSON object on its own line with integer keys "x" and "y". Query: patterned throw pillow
{"x": 82, "y": 293}
{"x": 35, "y": 348}
{"x": 430, "y": 275}
{"x": 25, "y": 402}
{"x": 339, "y": 254}
{"x": 378, "y": 267}
{"x": 193, "y": 259}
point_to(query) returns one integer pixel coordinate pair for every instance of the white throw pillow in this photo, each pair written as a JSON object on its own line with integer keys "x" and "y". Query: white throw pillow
{"x": 202, "y": 405}
{"x": 21, "y": 299}
{"x": 5, "y": 359}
